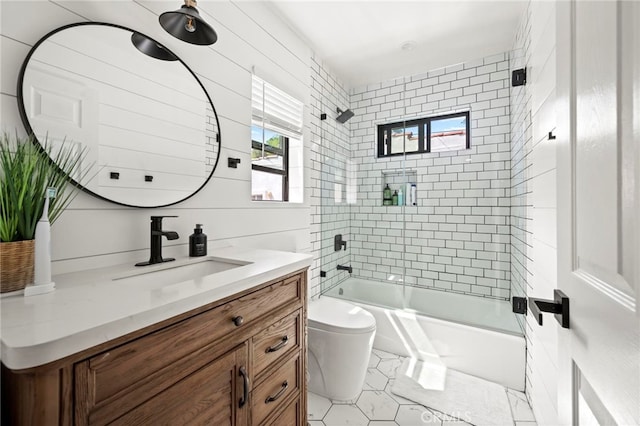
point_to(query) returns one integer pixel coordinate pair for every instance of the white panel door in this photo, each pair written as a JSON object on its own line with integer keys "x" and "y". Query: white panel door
{"x": 598, "y": 210}
{"x": 66, "y": 108}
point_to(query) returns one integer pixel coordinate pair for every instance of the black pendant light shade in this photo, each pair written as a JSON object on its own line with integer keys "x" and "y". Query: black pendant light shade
{"x": 187, "y": 25}
{"x": 151, "y": 48}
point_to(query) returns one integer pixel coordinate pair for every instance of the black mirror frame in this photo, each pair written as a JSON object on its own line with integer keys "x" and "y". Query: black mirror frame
{"x": 28, "y": 128}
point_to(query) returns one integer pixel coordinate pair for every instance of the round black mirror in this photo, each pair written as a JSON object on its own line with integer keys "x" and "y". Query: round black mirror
{"x": 149, "y": 129}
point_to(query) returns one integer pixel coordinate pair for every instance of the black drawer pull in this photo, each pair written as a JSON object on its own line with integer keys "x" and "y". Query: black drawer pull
{"x": 245, "y": 390}
{"x": 285, "y": 385}
{"x": 279, "y": 346}
{"x": 237, "y": 320}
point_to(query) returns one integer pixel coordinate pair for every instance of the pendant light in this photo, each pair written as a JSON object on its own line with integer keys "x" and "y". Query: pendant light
{"x": 151, "y": 48}
{"x": 187, "y": 25}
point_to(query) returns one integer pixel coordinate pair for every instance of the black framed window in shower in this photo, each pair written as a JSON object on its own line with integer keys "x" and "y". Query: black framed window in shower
{"x": 439, "y": 133}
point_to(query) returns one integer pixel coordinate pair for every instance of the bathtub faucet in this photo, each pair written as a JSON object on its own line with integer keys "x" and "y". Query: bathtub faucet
{"x": 344, "y": 268}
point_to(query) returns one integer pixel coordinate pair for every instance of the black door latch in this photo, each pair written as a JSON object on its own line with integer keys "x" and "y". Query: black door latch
{"x": 559, "y": 306}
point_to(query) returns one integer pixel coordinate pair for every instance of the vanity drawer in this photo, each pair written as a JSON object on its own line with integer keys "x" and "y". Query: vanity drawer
{"x": 276, "y": 342}
{"x": 269, "y": 396}
{"x": 290, "y": 416}
{"x": 138, "y": 363}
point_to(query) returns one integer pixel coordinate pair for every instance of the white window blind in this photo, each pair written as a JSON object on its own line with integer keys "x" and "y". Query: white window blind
{"x": 275, "y": 110}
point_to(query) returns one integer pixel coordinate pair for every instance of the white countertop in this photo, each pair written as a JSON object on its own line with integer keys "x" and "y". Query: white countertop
{"x": 90, "y": 307}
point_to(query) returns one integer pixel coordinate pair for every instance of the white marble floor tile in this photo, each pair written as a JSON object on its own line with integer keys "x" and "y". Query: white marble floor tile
{"x": 317, "y": 406}
{"x": 455, "y": 422}
{"x": 375, "y": 380}
{"x": 345, "y": 415}
{"x": 465, "y": 397}
{"x": 448, "y": 420}
{"x": 384, "y": 355}
{"x": 397, "y": 398}
{"x": 373, "y": 360}
{"x": 416, "y": 415}
{"x": 388, "y": 367}
{"x": 520, "y": 408}
{"x": 377, "y": 405}
{"x": 346, "y": 402}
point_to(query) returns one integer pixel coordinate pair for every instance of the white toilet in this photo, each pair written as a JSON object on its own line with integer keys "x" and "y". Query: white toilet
{"x": 340, "y": 341}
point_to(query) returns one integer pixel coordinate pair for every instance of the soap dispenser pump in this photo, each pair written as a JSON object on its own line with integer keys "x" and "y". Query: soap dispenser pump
{"x": 197, "y": 242}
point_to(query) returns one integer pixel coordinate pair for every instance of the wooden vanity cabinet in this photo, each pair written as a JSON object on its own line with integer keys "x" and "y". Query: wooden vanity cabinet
{"x": 238, "y": 361}
{"x": 207, "y": 396}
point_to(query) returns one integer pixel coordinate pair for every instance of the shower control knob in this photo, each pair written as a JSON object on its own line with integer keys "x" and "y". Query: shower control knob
{"x": 238, "y": 321}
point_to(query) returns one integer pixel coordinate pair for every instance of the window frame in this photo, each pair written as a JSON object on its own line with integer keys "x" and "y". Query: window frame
{"x": 424, "y": 133}
{"x": 275, "y": 110}
{"x": 284, "y": 152}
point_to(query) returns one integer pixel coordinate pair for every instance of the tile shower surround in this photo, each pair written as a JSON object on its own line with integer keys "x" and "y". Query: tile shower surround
{"x": 458, "y": 236}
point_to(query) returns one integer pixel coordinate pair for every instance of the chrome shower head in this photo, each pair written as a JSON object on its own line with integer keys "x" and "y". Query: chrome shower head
{"x": 344, "y": 116}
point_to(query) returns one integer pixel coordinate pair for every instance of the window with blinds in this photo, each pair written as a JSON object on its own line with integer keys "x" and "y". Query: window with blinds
{"x": 276, "y": 127}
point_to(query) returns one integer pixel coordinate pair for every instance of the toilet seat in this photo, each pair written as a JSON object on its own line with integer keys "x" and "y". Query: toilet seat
{"x": 336, "y": 316}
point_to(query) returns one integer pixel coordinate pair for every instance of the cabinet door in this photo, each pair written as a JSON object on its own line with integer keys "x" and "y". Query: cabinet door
{"x": 209, "y": 396}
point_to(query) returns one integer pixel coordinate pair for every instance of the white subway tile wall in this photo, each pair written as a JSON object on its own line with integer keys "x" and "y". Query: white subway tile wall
{"x": 457, "y": 237}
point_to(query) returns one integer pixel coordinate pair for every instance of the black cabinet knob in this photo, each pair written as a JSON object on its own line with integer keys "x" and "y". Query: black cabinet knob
{"x": 238, "y": 321}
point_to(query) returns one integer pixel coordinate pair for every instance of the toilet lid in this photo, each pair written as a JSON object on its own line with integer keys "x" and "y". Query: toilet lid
{"x": 331, "y": 314}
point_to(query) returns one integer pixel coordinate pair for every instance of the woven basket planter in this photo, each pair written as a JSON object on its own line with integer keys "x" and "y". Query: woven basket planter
{"x": 16, "y": 265}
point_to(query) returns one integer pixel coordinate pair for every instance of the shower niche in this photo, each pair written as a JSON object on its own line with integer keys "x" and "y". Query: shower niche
{"x": 400, "y": 179}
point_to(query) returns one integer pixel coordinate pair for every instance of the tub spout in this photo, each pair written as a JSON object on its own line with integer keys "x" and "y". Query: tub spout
{"x": 345, "y": 268}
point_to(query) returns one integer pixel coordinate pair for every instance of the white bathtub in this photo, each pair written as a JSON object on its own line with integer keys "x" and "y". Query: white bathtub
{"x": 475, "y": 335}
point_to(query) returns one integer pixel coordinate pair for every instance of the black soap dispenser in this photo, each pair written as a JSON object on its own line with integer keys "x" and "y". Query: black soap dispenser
{"x": 197, "y": 242}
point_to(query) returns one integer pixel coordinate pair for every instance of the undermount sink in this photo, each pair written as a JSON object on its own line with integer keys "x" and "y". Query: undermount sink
{"x": 165, "y": 274}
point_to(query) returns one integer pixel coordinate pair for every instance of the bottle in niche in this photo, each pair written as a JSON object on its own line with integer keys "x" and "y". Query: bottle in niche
{"x": 407, "y": 194}
{"x": 394, "y": 198}
{"x": 386, "y": 196}
{"x": 198, "y": 242}
{"x": 400, "y": 197}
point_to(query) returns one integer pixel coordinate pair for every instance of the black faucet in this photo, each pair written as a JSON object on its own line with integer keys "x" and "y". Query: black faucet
{"x": 344, "y": 268}
{"x": 156, "y": 241}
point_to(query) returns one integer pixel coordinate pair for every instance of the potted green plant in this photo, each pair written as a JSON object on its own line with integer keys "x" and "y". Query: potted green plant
{"x": 26, "y": 170}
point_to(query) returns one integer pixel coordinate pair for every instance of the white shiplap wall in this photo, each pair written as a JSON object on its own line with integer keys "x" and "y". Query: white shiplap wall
{"x": 93, "y": 232}
{"x": 534, "y": 244}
